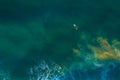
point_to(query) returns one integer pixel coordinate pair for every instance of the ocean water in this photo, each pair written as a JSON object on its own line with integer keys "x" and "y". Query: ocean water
{"x": 59, "y": 40}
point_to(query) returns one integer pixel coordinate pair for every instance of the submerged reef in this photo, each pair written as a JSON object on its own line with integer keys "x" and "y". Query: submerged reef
{"x": 106, "y": 50}
{"x": 99, "y": 61}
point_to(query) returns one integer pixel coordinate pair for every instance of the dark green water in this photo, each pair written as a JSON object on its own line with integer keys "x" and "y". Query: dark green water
{"x": 35, "y": 30}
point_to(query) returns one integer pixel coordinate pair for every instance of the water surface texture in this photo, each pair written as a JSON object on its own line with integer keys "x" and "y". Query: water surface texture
{"x": 59, "y": 40}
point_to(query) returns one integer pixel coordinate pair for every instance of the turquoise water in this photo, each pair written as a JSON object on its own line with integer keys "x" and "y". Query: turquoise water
{"x": 59, "y": 40}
